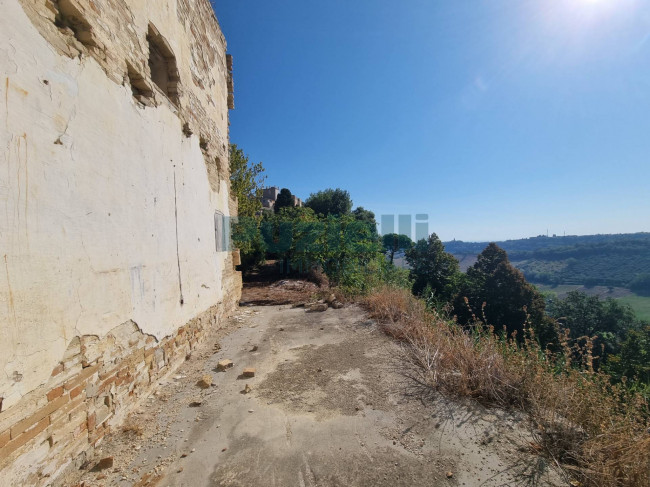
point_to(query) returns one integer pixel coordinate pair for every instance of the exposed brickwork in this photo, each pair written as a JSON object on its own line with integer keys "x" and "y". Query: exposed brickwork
{"x": 100, "y": 395}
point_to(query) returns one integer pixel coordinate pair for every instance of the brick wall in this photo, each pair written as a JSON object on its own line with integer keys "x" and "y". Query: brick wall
{"x": 96, "y": 384}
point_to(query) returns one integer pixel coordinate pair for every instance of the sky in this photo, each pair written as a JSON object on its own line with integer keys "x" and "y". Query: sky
{"x": 497, "y": 118}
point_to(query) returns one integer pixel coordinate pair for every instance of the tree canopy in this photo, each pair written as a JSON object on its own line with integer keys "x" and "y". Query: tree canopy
{"x": 496, "y": 292}
{"x": 246, "y": 180}
{"x": 284, "y": 200}
{"x": 330, "y": 202}
{"x": 584, "y": 315}
{"x": 360, "y": 214}
{"x": 393, "y": 242}
{"x": 433, "y": 268}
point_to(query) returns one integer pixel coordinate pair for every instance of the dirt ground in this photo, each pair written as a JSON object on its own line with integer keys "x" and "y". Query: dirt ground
{"x": 329, "y": 405}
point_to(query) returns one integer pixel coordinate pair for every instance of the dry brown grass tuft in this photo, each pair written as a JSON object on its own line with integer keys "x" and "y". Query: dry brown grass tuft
{"x": 131, "y": 426}
{"x": 596, "y": 431}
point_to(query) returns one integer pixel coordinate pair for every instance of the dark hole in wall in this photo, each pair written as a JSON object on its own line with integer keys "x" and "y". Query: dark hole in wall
{"x": 139, "y": 87}
{"x": 70, "y": 17}
{"x": 203, "y": 143}
{"x": 162, "y": 63}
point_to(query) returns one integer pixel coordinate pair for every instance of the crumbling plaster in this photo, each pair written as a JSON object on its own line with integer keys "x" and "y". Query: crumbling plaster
{"x": 96, "y": 186}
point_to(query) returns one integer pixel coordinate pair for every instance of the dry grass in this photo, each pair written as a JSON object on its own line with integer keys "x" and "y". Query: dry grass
{"x": 597, "y": 432}
{"x": 133, "y": 426}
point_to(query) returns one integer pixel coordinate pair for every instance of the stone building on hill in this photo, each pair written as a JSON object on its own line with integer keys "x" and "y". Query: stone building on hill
{"x": 270, "y": 195}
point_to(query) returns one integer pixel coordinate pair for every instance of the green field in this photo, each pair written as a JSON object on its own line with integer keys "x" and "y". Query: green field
{"x": 640, "y": 304}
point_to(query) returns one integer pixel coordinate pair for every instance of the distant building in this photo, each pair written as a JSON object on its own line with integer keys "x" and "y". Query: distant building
{"x": 270, "y": 195}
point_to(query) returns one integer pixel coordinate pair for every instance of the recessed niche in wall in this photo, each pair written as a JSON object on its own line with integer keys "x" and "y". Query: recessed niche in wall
{"x": 162, "y": 63}
{"x": 139, "y": 86}
{"x": 71, "y": 17}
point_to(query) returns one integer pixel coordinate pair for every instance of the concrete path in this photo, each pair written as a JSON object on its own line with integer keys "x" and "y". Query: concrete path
{"x": 329, "y": 406}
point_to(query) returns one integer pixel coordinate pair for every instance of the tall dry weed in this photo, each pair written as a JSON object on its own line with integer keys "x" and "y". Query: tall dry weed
{"x": 596, "y": 431}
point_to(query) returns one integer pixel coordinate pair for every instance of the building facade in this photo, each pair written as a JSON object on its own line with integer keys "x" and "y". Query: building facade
{"x": 115, "y": 187}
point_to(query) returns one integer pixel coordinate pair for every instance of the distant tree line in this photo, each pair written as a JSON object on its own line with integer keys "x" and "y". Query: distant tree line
{"x": 607, "y": 260}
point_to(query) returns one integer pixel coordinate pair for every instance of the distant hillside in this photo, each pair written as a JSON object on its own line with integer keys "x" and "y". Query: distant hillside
{"x": 607, "y": 260}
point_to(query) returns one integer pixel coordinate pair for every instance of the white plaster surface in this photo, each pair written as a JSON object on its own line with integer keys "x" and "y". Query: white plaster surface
{"x": 87, "y": 208}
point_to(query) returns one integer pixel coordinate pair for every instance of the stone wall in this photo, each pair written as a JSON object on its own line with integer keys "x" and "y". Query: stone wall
{"x": 115, "y": 174}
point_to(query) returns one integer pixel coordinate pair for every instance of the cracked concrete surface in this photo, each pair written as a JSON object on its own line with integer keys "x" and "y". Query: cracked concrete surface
{"x": 329, "y": 406}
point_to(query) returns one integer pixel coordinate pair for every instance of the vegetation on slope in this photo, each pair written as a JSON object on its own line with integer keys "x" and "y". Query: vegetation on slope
{"x": 608, "y": 260}
{"x": 595, "y": 430}
{"x": 579, "y": 369}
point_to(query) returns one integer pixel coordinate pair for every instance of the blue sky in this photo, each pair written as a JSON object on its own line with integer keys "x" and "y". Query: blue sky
{"x": 498, "y": 118}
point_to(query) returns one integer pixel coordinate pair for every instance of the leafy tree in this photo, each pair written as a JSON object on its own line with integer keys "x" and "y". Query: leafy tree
{"x": 246, "y": 182}
{"x": 433, "y": 267}
{"x": 293, "y": 235}
{"x": 367, "y": 216}
{"x": 247, "y": 238}
{"x": 330, "y": 202}
{"x": 633, "y": 361}
{"x": 393, "y": 242}
{"x": 498, "y": 293}
{"x": 585, "y": 315}
{"x": 284, "y": 200}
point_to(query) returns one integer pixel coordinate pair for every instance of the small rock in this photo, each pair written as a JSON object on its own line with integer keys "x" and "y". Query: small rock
{"x": 224, "y": 449}
{"x": 180, "y": 469}
{"x": 337, "y": 305}
{"x": 183, "y": 455}
{"x": 196, "y": 403}
{"x": 450, "y": 474}
{"x": 330, "y": 299}
{"x": 247, "y": 389}
{"x": 249, "y": 372}
{"x": 224, "y": 365}
{"x": 193, "y": 450}
{"x": 254, "y": 349}
{"x": 205, "y": 382}
{"x": 251, "y": 410}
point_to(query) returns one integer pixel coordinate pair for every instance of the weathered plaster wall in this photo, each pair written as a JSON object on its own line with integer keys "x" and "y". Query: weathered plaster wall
{"x": 109, "y": 198}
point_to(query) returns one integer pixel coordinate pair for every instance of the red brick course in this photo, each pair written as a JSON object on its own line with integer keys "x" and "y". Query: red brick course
{"x": 70, "y": 417}
{"x": 54, "y": 393}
